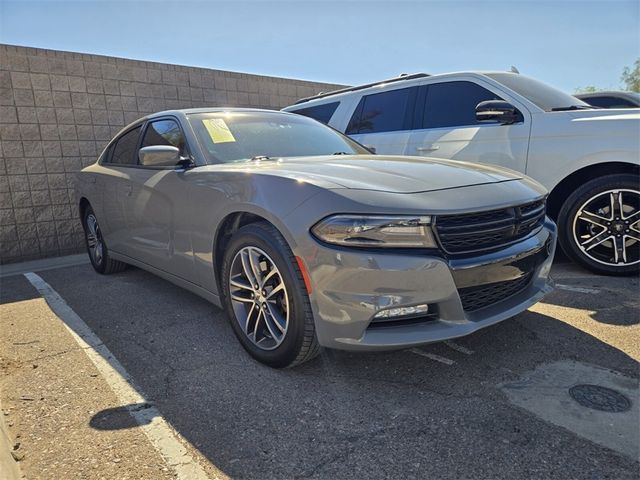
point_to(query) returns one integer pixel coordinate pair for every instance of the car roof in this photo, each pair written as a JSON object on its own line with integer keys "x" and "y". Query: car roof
{"x": 410, "y": 79}
{"x": 190, "y": 111}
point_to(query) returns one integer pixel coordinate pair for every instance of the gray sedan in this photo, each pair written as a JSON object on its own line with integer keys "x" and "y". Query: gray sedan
{"x": 307, "y": 239}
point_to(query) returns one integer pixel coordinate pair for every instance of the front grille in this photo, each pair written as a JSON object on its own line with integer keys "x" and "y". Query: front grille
{"x": 472, "y": 232}
{"x": 480, "y": 296}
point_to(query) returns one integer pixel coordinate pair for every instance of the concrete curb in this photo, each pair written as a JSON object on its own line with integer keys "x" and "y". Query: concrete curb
{"x": 43, "y": 264}
{"x": 9, "y": 469}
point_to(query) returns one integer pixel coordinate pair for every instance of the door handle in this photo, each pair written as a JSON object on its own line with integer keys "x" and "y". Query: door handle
{"x": 128, "y": 190}
{"x": 430, "y": 148}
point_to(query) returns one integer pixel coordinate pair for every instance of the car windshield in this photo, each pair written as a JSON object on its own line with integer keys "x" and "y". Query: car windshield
{"x": 241, "y": 136}
{"x": 544, "y": 96}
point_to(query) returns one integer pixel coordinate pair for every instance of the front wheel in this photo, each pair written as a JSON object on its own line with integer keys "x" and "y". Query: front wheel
{"x": 600, "y": 225}
{"x": 265, "y": 297}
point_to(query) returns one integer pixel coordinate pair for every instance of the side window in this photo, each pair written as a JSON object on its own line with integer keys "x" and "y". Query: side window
{"x": 106, "y": 155}
{"x": 384, "y": 112}
{"x": 453, "y": 104}
{"x": 164, "y": 132}
{"x": 125, "y": 150}
{"x": 609, "y": 102}
{"x": 322, "y": 113}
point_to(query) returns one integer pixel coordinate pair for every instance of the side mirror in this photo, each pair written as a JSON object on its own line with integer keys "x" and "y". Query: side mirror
{"x": 159, "y": 156}
{"x": 370, "y": 148}
{"x": 497, "y": 111}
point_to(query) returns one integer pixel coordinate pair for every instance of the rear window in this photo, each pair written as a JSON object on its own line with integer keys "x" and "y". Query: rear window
{"x": 322, "y": 113}
{"x": 384, "y": 112}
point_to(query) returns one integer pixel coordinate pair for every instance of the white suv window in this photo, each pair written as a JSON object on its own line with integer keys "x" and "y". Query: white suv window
{"x": 322, "y": 113}
{"x": 384, "y": 112}
{"x": 453, "y": 104}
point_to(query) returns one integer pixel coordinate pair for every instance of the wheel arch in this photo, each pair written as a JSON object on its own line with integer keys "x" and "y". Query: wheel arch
{"x": 82, "y": 207}
{"x": 227, "y": 227}
{"x": 562, "y": 190}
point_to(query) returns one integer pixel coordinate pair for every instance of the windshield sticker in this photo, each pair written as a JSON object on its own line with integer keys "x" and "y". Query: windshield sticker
{"x": 218, "y": 130}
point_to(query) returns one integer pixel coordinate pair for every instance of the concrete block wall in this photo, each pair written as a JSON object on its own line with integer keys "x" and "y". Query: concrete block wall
{"x": 59, "y": 109}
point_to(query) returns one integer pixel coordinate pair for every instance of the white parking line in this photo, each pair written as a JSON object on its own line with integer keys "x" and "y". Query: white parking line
{"x": 571, "y": 288}
{"x": 459, "y": 348}
{"x": 431, "y": 356}
{"x": 162, "y": 436}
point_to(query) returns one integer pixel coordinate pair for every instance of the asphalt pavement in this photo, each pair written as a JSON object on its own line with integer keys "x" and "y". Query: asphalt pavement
{"x": 495, "y": 404}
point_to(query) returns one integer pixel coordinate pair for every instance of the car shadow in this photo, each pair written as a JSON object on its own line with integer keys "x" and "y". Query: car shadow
{"x": 610, "y": 300}
{"x": 342, "y": 415}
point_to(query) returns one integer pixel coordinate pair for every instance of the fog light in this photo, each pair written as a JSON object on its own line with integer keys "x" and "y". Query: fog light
{"x": 402, "y": 311}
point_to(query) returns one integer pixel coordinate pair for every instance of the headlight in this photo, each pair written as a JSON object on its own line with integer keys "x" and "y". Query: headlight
{"x": 376, "y": 231}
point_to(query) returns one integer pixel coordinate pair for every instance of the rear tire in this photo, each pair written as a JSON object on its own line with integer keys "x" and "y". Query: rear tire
{"x": 273, "y": 322}
{"x": 97, "y": 248}
{"x": 599, "y": 225}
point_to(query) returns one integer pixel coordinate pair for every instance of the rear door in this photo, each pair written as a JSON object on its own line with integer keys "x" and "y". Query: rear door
{"x": 117, "y": 164}
{"x": 384, "y": 120}
{"x": 447, "y": 127}
{"x": 157, "y": 203}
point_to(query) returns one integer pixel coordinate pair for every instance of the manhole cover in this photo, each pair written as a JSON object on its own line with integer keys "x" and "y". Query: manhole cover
{"x": 600, "y": 398}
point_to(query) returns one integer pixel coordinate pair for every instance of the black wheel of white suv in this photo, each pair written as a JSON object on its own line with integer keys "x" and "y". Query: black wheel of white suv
{"x": 96, "y": 246}
{"x": 599, "y": 225}
{"x": 266, "y": 299}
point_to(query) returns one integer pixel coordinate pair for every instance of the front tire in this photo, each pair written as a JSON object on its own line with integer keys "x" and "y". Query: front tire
{"x": 97, "y": 248}
{"x": 599, "y": 225}
{"x": 266, "y": 299}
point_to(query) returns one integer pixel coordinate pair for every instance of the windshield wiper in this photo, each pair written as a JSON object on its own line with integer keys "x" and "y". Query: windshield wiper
{"x": 341, "y": 153}
{"x": 573, "y": 107}
{"x": 257, "y": 158}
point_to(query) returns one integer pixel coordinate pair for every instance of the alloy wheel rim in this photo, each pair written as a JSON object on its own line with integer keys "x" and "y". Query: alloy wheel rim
{"x": 94, "y": 239}
{"x": 606, "y": 228}
{"x": 259, "y": 298}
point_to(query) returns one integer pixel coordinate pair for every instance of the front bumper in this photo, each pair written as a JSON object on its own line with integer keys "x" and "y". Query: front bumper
{"x": 350, "y": 286}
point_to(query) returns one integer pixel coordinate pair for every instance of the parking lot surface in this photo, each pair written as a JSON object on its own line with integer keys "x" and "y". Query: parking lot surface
{"x": 494, "y": 404}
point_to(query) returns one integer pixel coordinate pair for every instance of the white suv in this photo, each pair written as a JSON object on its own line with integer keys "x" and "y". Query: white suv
{"x": 589, "y": 159}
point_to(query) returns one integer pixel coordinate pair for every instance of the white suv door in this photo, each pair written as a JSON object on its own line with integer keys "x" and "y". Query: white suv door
{"x": 447, "y": 127}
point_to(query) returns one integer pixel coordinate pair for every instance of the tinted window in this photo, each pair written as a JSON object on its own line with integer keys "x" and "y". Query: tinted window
{"x": 384, "y": 112}
{"x": 126, "y": 149}
{"x": 609, "y": 102}
{"x": 242, "y": 136}
{"x": 164, "y": 132}
{"x": 322, "y": 113}
{"x": 106, "y": 154}
{"x": 453, "y": 104}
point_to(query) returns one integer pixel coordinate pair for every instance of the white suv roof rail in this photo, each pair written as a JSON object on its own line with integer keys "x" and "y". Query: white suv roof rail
{"x": 362, "y": 87}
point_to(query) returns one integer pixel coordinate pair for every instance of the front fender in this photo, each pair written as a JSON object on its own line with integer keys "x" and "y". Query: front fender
{"x": 216, "y": 196}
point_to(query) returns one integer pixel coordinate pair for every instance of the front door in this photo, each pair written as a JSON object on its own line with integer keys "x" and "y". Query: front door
{"x": 156, "y": 201}
{"x": 448, "y": 128}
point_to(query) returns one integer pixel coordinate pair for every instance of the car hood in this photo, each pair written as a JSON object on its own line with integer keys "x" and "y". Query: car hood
{"x": 605, "y": 115}
{"x": 396, "y": 174}
{"x": 594, "y": 124}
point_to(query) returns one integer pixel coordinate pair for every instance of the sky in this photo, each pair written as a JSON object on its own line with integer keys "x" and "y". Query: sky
{"x": 569, "y": 44}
